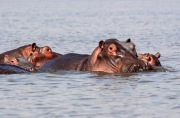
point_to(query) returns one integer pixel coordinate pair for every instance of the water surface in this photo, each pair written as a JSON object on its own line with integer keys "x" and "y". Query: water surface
{"x": 77, "y": 26}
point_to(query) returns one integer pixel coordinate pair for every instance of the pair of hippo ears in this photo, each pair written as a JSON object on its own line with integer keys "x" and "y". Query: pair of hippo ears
{"x": 147, "y": 55}
{"x": 102, "y": 43}
{"x": 157, "y": 55}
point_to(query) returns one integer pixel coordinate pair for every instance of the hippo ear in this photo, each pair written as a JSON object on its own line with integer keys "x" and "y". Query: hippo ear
{"x": 158, "y": 55}
{"x": 128, "y": 40}
{"x": 101, "y": 44}
{"x": 6, "y": 58}
{"x": 34, "y": 46}
{"x": 147, "y": 56}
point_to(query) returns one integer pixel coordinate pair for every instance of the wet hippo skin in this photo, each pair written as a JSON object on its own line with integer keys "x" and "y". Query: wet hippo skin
{"x": 110, "y": 56}
{"x": 29, "y": 57}
{"x": 150, "y": 58}
{"x": 11, "y": 69}
{"x": 129, "y": 45}
{"x": 19, "y": 61}
{"x": 41, "y": 56}
{"x": 23, "y": 51}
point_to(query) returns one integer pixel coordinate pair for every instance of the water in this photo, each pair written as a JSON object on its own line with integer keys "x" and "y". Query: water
{"x": 77, "y": 26}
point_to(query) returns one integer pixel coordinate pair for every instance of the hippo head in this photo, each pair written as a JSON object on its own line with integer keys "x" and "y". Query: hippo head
{"x": 33, "y": 48}
{"x": 150, "y": 58}
{"x": 114, "y": 58}
{"x": 42, "y": 51}
{"x": 40, "y": 56}
{"x": 19, "y": 61}
{"x": 46, "y": 51}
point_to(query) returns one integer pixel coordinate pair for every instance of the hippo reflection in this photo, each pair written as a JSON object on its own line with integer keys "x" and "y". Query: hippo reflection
{"x": 110, "y": 56}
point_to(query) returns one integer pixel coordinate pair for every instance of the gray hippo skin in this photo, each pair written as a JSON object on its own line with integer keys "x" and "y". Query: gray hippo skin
{"x": 11, "y": 69}
{"x": 110, "y": 57}
{"x": 19, "y": 61}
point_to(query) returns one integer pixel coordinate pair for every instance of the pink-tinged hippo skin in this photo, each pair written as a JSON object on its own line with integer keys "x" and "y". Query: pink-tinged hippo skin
{"x": 19, "y": 61}
{"x": 41, "y": 56}
{"x": 28, "y": 56}
{"x": 150, "y": 58}
{"x": 23, "y": 51}
{"x": 110, "y": 57}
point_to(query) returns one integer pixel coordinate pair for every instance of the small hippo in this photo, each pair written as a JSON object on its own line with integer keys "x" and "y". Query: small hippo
{"x": 41, "y": 56}
{"x": 110, "y": 57}
{"x": 28, "y": 52}
{"x": 150, "y": 58}
{"x": 23, "y": 51}
{"x": 19, "y": 61}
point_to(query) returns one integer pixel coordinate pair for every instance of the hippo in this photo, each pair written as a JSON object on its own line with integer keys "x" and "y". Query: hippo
{"x": 12, "y": 69}
{"x": 150, "y": 58}
{"x": 41, "y": 56}
{"x": 23, "y": 51}
{"x": 31, "y": 52}
{"x": 19, "y": 61}
{"x": 109, "y": 57}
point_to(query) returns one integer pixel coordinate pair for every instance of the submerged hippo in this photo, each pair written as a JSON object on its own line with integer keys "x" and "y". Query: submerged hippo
{"x": 28, "y": 56}
{"x": 110, "y": 57}
{"x": 19, "y": 61}
{"x": 150, "y": 58}
{"x": 11, "y": 69}
{"x": 23, "y": 51}
{"x": 41, "y": 56}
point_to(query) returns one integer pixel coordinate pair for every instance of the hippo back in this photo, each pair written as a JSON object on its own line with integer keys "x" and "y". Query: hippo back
{"x": 11, "y": 69}
{"x": 69, "y": 61}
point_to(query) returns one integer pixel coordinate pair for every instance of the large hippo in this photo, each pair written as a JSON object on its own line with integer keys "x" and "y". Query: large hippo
{"x": 11, "y": 69}
{"x": 110, "y": 57}
{"x": 150, "y": 58}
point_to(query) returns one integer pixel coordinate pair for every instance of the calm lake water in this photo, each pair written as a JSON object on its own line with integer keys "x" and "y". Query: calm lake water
{"x": 77, "y": 26}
